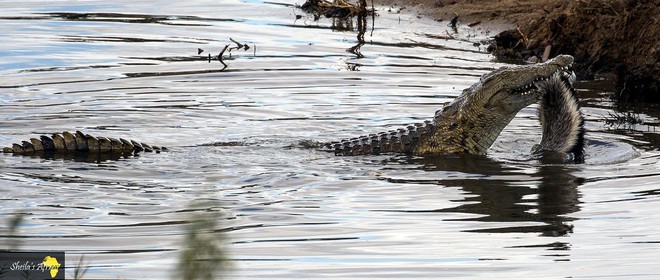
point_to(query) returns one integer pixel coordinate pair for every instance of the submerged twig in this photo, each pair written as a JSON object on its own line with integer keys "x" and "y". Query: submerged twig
{"x": 220, "y": 57}
{"x": 627, "y": 119}
{"x": 245, "y": 47}
{"x": 228, "y": 49}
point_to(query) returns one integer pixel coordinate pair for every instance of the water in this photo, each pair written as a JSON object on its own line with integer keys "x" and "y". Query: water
{"x": 131, "y": 69}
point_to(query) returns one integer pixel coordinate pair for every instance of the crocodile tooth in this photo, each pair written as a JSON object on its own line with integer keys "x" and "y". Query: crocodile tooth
{"x": 69, "y": 141}
{"x": 81, "y": 142}
{"x": 58, "y": 141}
{"x": 37, "y": 144}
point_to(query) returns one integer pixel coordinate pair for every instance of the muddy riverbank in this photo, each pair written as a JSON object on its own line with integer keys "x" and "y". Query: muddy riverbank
{"x": 615, "y": 39}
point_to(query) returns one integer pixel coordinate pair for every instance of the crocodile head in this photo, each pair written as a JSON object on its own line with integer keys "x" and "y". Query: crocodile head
{"x": 472, "y": 122}
{"x": 507, "y": 90}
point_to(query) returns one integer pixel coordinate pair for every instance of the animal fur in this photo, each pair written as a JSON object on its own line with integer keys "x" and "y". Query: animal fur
{"x": 561, "y": 118}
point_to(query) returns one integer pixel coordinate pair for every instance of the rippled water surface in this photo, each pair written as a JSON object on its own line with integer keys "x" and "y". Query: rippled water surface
{"x": 132, "y": 69}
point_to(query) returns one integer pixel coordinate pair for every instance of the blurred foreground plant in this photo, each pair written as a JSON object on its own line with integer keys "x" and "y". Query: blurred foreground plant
{"x": 202, "y": 255}
{"x": 13, "y": 239}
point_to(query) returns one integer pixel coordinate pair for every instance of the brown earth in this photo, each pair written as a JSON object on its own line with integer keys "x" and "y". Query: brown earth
{"x": 611, "y": 38}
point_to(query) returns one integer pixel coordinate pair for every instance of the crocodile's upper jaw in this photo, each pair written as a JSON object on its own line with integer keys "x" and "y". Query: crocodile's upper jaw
{"x": 509, "y": 89}
{"x": 473, "y": 120}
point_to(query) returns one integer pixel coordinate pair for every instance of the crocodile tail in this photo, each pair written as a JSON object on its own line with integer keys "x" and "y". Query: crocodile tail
{"x": 79, "y": 143}
{"x": 402, "y": 140}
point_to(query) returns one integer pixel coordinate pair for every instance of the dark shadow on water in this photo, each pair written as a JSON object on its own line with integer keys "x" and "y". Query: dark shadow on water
{"x": 125, "y": 18}
{"x": 88, "y": 157}
{"x": 500, "y": 193}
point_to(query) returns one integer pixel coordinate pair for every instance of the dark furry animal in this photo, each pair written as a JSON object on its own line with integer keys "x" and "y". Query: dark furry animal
{"x": 561, "y": 118}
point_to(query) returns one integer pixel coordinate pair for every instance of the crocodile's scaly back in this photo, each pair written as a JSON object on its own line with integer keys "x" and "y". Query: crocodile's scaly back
{"x": 403, "y": 140}
{"x": 78, "y": 144}
{"x": 469, "y": 124}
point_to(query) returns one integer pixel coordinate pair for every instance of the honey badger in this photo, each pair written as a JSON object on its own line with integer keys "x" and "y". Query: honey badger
{"x": 561, "y": 119}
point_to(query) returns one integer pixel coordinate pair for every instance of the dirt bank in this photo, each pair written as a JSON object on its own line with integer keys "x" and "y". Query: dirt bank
{"x": 615, "y": 38}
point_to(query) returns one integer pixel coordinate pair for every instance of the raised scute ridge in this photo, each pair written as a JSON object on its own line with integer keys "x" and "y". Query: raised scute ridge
{"x": 395, "y": 141}
{"x": 80, "y": 143}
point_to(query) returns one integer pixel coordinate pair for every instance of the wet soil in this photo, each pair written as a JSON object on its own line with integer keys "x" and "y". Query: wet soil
{"x": 614, "y": 39}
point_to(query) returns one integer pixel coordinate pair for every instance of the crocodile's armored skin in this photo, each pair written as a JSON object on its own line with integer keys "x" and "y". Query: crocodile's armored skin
{"x": 469, "y": 124}
{"x": 68, "y": 143}
{"x": 561, "y": 119}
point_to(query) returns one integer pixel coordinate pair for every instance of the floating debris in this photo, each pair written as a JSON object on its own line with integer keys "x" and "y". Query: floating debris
{"x": 334, "y": 9}
{"x": 226, "y": 48}
{"x": 626, "y": 120}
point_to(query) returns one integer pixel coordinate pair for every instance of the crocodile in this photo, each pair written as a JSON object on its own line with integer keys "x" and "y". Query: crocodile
{"x": 469, "y": 124}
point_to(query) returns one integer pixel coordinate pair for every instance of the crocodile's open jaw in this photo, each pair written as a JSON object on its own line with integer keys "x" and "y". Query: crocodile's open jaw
{"x": 511, "y": 100}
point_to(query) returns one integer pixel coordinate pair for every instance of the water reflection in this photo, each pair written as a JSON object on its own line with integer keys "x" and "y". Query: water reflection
{"x": 88, "y": 157}
{"x": 510, "y": 195}
{"x": 361, "y": 29}
{"x": 122, "y": 18}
